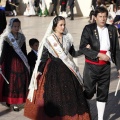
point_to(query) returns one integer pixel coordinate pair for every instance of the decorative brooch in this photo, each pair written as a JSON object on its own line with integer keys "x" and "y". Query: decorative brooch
{"x": 110, "y": 34}
{"x": 55, "y": 44}
{"x": 96, "y": 34}
{"x": 12, "y": 40}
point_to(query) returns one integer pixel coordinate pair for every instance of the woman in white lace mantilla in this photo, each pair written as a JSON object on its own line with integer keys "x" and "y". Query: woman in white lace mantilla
{"x": 14, "y": 65}
{"x": 59, "y": 83}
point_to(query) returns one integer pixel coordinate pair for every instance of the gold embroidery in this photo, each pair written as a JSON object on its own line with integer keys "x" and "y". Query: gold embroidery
{"x": 110, "y": 34}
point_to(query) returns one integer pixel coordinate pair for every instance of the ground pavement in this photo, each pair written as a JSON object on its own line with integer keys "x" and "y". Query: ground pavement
{"x": 35, "y": 27}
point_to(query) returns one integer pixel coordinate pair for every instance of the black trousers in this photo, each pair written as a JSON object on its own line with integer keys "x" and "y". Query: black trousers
{"x": 54, "y": 10}
{"x": 96, "y": 80}
{"x": 72, "y": 12}
{"x": 63, "y": 8}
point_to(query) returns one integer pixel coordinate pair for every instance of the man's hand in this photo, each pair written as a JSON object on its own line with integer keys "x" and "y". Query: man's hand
{"x": 103, "y": 57}
{"x": 88, "y": 46}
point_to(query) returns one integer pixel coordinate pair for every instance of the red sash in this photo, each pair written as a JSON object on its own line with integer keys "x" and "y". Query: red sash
{"x": 99, "y": 62}
{"x": 63, "y": 3}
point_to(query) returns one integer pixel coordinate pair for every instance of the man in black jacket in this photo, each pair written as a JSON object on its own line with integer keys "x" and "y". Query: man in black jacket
{"x": 103, "y": 40}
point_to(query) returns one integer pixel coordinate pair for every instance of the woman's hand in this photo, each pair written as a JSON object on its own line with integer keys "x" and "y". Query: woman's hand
{"x": 38, "y": 75}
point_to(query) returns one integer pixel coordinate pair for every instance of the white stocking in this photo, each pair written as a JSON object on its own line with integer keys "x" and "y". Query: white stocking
{"x": 100, "y": 108}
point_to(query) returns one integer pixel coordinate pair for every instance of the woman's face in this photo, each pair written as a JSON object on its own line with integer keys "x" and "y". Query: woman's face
{"x": 60, "y": 27}
{"x": 15, "y": 27}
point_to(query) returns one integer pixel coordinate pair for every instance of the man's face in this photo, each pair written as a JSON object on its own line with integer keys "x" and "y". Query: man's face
{"x": 101, "y": 19}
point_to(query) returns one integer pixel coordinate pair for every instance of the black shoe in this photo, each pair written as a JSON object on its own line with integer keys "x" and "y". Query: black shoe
{"x": 16, "y": 108}
{"x": 8, "y": 105}
{"x": 72, "y": 19}
{"x": 51, "y": 14}
{"x": 69, "y": 15}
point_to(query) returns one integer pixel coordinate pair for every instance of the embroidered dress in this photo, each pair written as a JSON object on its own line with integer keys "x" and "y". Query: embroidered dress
{"x": 15, "y": 72}
{"x": 59, "y": 95}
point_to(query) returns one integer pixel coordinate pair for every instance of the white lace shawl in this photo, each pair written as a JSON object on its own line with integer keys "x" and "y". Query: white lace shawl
{"x": 67, "y": 43}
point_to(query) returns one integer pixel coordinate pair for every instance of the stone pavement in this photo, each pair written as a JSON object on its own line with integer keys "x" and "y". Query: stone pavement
{"x": 36, "y": 27}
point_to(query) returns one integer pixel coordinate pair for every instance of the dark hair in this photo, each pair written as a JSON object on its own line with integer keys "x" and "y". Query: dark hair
{"x": 16, "y": 20}
{"x": 99, "y": 2}
{"x": 56, "y": 20}
{"x": 32, "y": 41}
{"x": 12, "y": 20}
{"x": 100, "y": 10}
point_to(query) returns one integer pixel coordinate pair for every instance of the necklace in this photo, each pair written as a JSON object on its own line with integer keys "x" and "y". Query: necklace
{"x": 61, "y": 43}
{"x": 58, "y": 39}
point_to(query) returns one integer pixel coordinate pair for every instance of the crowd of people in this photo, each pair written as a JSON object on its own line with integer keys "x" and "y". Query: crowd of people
{"x": 38, "y": 7}
{"x": 113, "y": 7}
{"x": 47, "y": 80}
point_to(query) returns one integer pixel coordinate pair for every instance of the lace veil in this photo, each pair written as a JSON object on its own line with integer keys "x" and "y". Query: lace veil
{"x": 6, "y": 32}
{"x": 33, "y": 82}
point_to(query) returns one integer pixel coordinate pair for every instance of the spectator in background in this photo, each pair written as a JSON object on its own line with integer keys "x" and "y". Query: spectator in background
{"x": 71, "y": 6}
{"x": 29, "y": 9}
{"x": 117, "y": 3}
{"x": 3, "y": 21}
{"x": 14, "y": 5}
{"x": 54, "y": 3}
{"x": 11, "y": 7}
{"x": 97, "y": 4}
{"x": 94, "y": 3}
{"x": 117, "y": 17}
{"x": 63, "y": 4}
